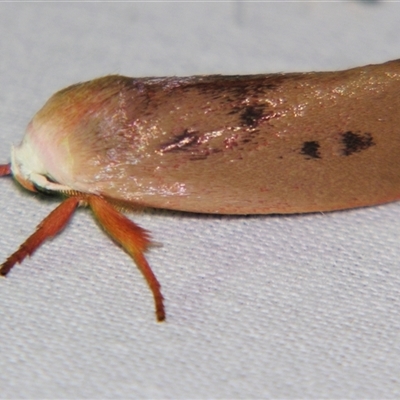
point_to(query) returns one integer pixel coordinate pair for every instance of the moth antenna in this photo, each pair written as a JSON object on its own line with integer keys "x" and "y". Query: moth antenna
{"x": 134, "y": 239}
{"x": 5, "y": 169}
{"x": 49, "y": 227}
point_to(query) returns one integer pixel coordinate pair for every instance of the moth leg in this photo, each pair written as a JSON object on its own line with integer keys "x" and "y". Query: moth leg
{"x": 5, "y": 169}
{"x": 49, "y": 227}
{"x": 133, "y": 239}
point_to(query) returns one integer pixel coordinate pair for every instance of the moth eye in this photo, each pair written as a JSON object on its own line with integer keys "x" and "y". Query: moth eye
{"x": 50, "y": 179}
{"x": 43, "y": 190}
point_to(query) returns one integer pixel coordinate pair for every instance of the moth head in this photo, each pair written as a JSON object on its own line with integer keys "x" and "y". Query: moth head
{"x": 25, "y": 164}
{"x": 51, "y": 151}
{"x": 28, "y": 163}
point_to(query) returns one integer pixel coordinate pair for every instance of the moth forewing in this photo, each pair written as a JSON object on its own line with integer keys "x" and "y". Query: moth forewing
{"x": 255, "y": 144}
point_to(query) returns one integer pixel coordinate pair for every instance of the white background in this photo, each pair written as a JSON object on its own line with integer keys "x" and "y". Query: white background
{"x": 258, "y": 307}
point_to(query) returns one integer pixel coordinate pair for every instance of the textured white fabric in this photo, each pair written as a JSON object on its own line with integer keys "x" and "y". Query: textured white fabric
{"x": 257, "y": 307}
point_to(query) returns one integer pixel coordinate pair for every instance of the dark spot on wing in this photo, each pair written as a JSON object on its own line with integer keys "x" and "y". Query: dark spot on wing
{"x": 311, "y": 149}
{"x": 240, "y": 84}
{"x": 239, "y": 88}
{"x": 180, "y": 142}
{"x": 356, "y": 142}
{"x": 251, "y": 115}
{"x": 191, "y": 144}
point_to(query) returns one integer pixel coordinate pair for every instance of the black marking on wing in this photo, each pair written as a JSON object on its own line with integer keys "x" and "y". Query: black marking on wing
{"x": 251, "y": 115}
{"x": 180, "y": 142}
{"x": 356, "y": 142}
{"x": 311, "y": 149}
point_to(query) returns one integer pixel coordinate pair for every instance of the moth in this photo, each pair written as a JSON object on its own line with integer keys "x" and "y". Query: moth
{"x": 253, "y": 144}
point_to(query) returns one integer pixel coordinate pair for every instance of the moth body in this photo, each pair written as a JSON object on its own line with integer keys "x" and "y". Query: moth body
{"x": 279, "y": 143}
{"x": 256, "y": 144}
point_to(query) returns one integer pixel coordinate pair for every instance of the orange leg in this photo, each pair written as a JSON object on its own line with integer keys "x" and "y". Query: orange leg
{"x": 5, "y": 169}
{"x": 132, "y": 238}
{"x": 48, "y": 228}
